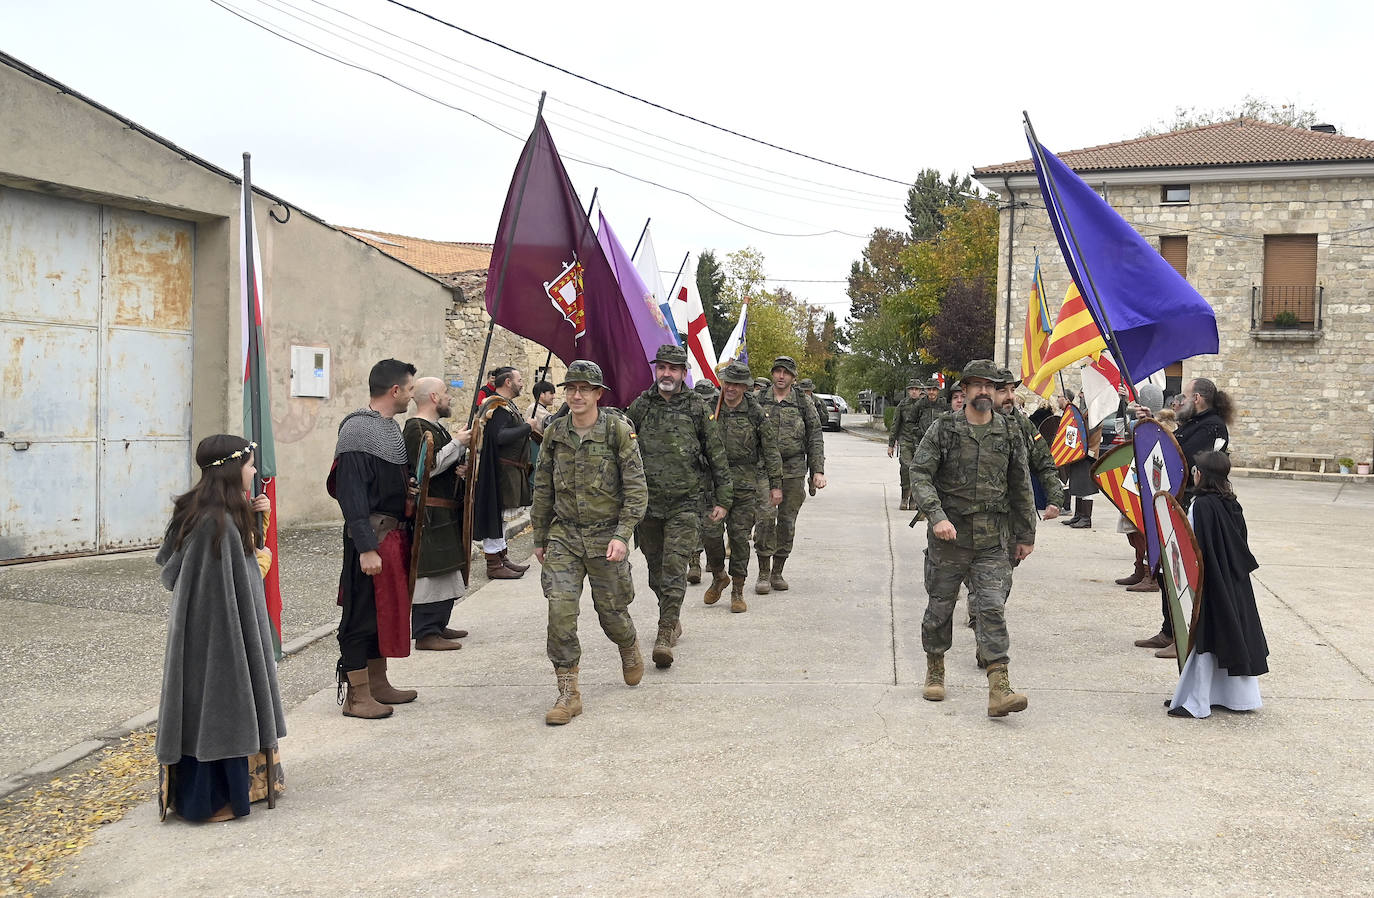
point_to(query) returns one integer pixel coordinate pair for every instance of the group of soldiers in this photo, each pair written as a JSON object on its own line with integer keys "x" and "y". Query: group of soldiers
{"x": 681, "y": 473}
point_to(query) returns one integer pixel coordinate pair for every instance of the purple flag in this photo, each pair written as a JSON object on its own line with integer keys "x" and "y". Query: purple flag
{"x": 549, "y": 279}
{"x": 653, "y": 329}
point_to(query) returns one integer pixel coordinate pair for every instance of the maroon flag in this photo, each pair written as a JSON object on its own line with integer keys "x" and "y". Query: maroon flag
{"x": 549, "y": 280}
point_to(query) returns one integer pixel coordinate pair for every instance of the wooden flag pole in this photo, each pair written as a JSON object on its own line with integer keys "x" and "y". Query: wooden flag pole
{"x": 1105, "y": 325}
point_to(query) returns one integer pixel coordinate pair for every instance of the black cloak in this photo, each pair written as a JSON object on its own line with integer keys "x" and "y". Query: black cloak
{"x": 1228, "y": 623}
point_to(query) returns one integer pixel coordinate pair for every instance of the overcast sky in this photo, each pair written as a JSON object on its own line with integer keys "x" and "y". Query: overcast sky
{"x": 885, "y": 87}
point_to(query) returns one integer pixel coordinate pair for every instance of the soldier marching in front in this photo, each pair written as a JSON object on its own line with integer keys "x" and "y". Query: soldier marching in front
{"x": 971, "y": 480}
{"x": 797, "y": 430}
{"x": 679, "y": 442}
{"x": 752, "y": 451}
{"x": 589, "y": 494}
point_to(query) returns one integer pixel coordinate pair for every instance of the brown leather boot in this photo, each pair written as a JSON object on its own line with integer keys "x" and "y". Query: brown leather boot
{"x": 453, "y": 634}
{"x": 497, "y": 570}
{"x": 382, "y": 690}
{"x": 1001, "y": 699}
{"x": 518, "y": 568}
{"x": 359, "y": 701}
{"x": 1137, "y": 541}
{"x": 569, "y": 702}
{"x": 663, "y": 648}
{"x": 1157, "y": 641}
{"x": 763, "y": 587}
{"x": 1133, "y": 578}
{"x": 631, "y": 663}
{"x": 436, "y": 643}
{"x": 719, "y": 580}
{"x": 737, "y": 597}
{"x": 775, "y": 576}
{"x": 1148, "y": 583}
{"x": 694, "y": 569}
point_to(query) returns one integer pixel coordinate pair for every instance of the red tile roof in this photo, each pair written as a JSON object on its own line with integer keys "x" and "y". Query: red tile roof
{"x": 436, "y": 257}
{"x": 1237, "y": 142}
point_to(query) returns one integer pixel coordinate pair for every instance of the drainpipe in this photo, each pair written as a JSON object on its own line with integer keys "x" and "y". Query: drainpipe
{"x": 1011, "y": 238}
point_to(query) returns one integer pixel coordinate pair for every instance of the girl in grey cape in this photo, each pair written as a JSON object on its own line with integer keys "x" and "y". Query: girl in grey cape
{"x": 221, "y": 714}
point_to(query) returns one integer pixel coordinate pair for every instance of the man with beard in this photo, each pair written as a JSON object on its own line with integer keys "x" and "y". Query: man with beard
{"x": 971, "y": 480}
{"x": 370, "y": 481}
{"x": 503, "y": 480}
{"x": 443, "y": 556}
{"x": 797, "y": 430}
{"x": 1204, "y": 413}
{"x": 679, "y": 443}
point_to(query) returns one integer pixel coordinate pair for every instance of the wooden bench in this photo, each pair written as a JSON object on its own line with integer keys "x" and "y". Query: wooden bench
{"x": 1278, "y": 458}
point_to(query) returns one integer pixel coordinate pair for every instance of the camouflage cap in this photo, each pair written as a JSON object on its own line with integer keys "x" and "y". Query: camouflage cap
{"x": 584, "y": 372}
{"x": 986, "y": 369}
{"x": 1009, "y": 378}
{"x": 915, "y": 384}
{"x": 737, "y": 373}
{"x": 806, "y": 383}
{"x": 671, "y": 354}
{"x": 785, "y": 362}
{"x": 762, "y": 382}
{"x": 705, "y": 388}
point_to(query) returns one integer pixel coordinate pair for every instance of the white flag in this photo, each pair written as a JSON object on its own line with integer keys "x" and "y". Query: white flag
{"x": 646, "y": 263}
{"x": 701, "y": 354}
{"x": 1101, "y": 382}
{"x": 737, "y": 346}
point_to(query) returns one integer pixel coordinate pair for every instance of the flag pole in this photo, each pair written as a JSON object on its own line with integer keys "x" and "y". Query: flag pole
{"x": 640, "y": 241}
{"x": 254, "y": 349}
{"x": 680, "y": 269}
{"x": 505, "y": 261}
{"x": 1105, "y": 324}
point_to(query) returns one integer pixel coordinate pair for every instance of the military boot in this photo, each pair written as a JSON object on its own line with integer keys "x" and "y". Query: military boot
{"x": 762, "y": 587}
{"x": 663, "y": 647}
{"x": 381, "y": 687}
{"x": 737, "y": 597}
{"x": 569, "y": 702}
{"x": 694, "y": 568}
{"x": 775, "y": 577}
{"x": 719, "y": 580}
{"x": 1001, "y": 700}
{"x": 935, "y": 678}
{"x": 359, "y": 701}
{"x": 632, "y": 663}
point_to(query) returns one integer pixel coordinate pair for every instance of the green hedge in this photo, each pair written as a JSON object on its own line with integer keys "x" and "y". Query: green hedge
{"x": 888, "y": 414}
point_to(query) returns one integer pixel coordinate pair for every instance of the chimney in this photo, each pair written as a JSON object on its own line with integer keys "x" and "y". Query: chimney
{"x": 1325, "y": 129}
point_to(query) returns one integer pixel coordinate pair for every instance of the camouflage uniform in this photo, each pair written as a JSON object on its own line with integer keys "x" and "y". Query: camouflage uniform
{"x": 681, "y": 446}
{"x": 808, "y": 386}
{"x": 708, "y": 392}
{"x": 906, "y": 435}
{"x": 980, "y": 484}
{"x": 755, "y": 464}
{"x": 797, "y": 431}
{"x": 588, "y": 490}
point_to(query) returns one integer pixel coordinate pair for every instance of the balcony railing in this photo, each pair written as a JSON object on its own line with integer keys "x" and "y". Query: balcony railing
{"x": 1268, "y": 305}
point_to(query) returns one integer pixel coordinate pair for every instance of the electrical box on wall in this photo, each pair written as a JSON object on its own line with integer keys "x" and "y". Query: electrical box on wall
{"x": 310, "y": 371}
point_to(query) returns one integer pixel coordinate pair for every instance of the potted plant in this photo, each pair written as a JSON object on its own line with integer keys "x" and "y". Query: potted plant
{"x": 1347, "y": 465}
{"x": 1286, "y": 319}
{"x": 1362, "y": 467}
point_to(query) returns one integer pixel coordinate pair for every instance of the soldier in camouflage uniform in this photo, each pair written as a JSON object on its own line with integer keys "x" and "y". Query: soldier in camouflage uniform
{"x": 1037, "y": 451}
{"x": 589, "y": 494}
{"x": 904, "y": 436}
{"x": 707, "y": 391}
{"x": 797, "y": 430}
{"x": 971, "y": 481}
{"x": 808, "y": 386}
{"x": 752, "y": 451}
{"x": 680, "y": 444}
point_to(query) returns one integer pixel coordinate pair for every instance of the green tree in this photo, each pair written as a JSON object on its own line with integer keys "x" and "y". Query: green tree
{"x": 1251, "y": 107}
{"x": 711, "y": 288}
{"x": 930, "y": 195}
{"x": 878, "y": 274}
{"x": 964, "y": 329}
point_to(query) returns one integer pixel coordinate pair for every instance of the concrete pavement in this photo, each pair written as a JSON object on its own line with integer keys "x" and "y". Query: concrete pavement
{"x": 788, "y": 751}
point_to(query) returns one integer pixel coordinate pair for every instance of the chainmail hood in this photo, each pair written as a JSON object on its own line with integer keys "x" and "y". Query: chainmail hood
{"x": 367, "y": 431}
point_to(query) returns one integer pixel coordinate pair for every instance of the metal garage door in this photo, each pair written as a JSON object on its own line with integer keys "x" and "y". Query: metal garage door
{"x": 95, "y": 355}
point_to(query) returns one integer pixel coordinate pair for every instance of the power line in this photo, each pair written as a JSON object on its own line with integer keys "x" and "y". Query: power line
{"x": 638, "y": 99}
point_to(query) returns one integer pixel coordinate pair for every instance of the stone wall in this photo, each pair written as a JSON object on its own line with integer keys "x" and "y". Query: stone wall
{"x": 1306, "y": 392}
{"x": 467, "y": 333}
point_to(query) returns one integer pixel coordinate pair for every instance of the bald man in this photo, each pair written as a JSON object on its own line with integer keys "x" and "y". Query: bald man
{"x": 443, "y": 553}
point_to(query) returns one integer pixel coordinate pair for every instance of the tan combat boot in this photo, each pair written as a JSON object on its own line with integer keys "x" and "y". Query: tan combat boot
{"x": 694, "y": 569}
{"x": 935, "y": 678}
{"x": 569, "y": 702}
{"x": 663, "y": 647}
{"x": 359, "y": 701}
{"x": 737, "y": 597}
{"x": 632, "y": 663}
{"x": 763, "y": 587}
{"x": 775, "y": 578}
{"x": 1001, "y": 700}
{"x": 381, "y": 687}
{"x": 719, "y": 580}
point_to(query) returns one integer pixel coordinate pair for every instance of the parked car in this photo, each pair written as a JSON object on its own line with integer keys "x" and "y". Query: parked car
{"x": 834, "y": 408}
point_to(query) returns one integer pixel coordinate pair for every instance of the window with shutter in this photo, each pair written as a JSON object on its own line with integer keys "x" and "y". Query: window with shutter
{"x": 1288, "y": 296}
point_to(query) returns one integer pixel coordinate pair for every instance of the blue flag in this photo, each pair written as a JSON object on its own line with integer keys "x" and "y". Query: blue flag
{"x": 1157, "y": 316}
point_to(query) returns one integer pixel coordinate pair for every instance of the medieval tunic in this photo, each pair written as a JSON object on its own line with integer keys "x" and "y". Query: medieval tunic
{"x": 503, "y": 480}
{"x": 1229, "y": 648}
{"x": 369, "y": 481}
{"x": 220, "y": 702}
{"x": 443, "y": 554}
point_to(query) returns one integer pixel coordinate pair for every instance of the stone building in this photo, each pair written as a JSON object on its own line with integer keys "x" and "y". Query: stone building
{"x": 463, "y": 267}
{"x": 1273, "y": 225}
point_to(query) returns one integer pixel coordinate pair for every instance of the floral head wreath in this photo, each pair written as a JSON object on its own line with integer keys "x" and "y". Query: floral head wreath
{"x": 232, "y": 456}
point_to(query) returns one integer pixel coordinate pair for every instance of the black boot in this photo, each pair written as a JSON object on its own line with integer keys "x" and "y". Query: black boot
{"x": 1085, "y": 509}
{"x": 1070, "y": 521}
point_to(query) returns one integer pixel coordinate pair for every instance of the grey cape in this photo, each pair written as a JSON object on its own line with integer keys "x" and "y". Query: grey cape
{"x": 219, "y": 676}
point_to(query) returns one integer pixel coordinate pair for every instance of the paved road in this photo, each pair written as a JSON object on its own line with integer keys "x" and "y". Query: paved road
{"x": 788, "y": 752}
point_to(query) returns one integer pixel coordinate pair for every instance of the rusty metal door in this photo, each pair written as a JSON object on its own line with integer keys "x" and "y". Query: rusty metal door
{"x": 95, "y": 336}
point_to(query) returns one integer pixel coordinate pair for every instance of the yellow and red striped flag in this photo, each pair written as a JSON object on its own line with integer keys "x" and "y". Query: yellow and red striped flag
{"x": 1071, "y": 441}
{"x": 1075, "y": 337}
{"x": 1115, "y": 476}
{"x": 1037, "y": 336}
